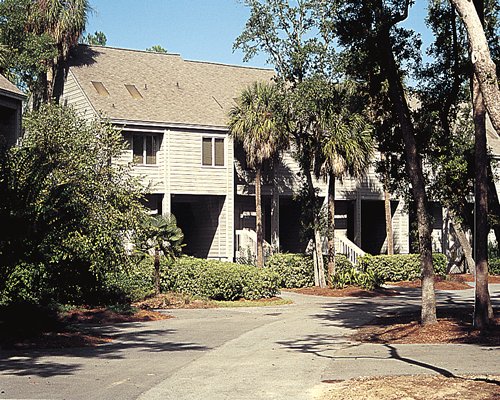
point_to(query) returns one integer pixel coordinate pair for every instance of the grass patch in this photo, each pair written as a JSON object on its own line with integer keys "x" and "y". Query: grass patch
{"x": 274, "y": 301}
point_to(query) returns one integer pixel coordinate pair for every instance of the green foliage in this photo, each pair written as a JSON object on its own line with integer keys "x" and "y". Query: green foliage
{"x": 67, "y": 206}
{"x": 294, "y": 270}
{"x": 97, "y": 38}
{"x": 157, "y": 49}
{"x": 494, "y": 266}
{"x": 297, "y": 270}
{"x": 352, "y": 277}
{"x": 400, "y": 267}
{"x": 161, "y": 233}
{"x": 218, "y": 280}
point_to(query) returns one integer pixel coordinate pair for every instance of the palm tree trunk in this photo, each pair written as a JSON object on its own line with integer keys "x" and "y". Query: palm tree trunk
{"x": 258, "y": 217}
{"x": 482, "y": 306}
{"x": 157, "y": 271}
{"x": 464, "y": 243}
{"x": 331, "y": 228}
{"x": 319, "y": 266}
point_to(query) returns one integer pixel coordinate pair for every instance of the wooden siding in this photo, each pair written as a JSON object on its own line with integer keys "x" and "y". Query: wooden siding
{"x": 73, "y": 96}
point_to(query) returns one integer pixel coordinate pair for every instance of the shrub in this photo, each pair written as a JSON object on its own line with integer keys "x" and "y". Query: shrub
{"x": 351, "y": 276}
{"x": 494, "y": 266}
{"x": 218, "y": 280}
{"x": 294, "y": 270}
{"x": 297, "y": 270}
{"x": 400, "y": 267}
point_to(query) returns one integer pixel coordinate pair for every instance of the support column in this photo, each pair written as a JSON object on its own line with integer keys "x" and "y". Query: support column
{"x": 166, "y": 202}
{"x": 357, "y": 220}
{"x": 275, "y": 220}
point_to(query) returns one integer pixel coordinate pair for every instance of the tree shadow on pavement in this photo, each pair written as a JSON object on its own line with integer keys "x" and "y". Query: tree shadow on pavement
{"x": 134, "y": 337}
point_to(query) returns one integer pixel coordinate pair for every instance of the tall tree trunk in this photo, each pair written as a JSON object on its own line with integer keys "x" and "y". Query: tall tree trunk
{"x": 482, "y": 303}
{"x": 484, "y": 67}
{"x": 464, "y": 243}
{"x": 319, "y": 266}
{"x": 331, "y": 227}
{"x": 414, "y": 171}
{"x": 258, "y": 217}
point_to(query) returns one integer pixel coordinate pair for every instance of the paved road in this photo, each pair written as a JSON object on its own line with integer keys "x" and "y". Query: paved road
{"x": 242, "y": 353}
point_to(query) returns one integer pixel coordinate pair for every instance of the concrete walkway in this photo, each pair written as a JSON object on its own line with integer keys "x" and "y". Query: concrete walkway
{"x": 284, "y": 352}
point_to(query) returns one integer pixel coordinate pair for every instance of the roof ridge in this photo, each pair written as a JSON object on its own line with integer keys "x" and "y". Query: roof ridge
{"x": 178, "y": 55}
{"x": 128, "y": 49}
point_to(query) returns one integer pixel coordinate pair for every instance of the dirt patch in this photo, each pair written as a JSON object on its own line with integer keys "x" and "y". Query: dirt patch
{"x": 420, "y": 387}
{"x": 438, "y": 284}
{"x": 470, "y": 278}
{"x": 350, "y": 291}
{"x": 173, "y": 301}
{"x": 454, "y": 326}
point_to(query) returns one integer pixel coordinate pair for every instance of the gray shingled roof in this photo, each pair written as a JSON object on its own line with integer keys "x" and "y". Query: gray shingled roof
{"x": 174, "y": 90}
{"x": 9, "y": 88}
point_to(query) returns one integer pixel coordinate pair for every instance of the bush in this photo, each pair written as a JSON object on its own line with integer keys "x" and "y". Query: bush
{"x": 218, "y": 280}
{"x": 297, "y": 270}
{"x": 294, "y": 270}
{"x": 400, "y": 267}
{"x": 494, "y": 266}
{"x": 351, "y": 276}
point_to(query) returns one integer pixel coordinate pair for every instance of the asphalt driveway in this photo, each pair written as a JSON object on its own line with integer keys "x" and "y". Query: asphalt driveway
{"x": 283, "y": 352}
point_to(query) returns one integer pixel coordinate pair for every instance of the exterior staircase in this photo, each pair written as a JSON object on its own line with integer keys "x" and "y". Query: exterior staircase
{"x": 246, "y": 247}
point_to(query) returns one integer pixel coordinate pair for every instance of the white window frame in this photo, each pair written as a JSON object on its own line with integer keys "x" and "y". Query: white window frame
{"x": 156, "y": 149}
{"x": 213, "y": 138}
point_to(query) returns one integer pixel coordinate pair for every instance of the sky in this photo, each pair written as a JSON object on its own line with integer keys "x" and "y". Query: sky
{"x": 202, "y": 30}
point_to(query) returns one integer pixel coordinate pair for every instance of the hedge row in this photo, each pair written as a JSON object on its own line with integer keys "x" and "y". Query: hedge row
{"x": 400, "y": 267}
{"x": 297, "y": 270}
{"x": 494, "y": 266}
{"x": 219, "y": 280}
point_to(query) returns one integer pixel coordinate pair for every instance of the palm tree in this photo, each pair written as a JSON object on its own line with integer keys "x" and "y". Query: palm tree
{"x": 64, "y": 22}
{"x": 164, "y": 237}
{"x": 347, "y": 148}
{"x": 255, "y": 122}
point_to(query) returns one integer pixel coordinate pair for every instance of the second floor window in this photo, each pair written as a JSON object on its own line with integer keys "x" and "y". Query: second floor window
{"x": 212, "y": 152}
{"x": 144, "y": 148}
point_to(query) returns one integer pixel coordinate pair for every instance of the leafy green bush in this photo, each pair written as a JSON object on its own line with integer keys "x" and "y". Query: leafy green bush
{"x": 351, "y": 276}
{"x": 218, "y": 280}
{"x": 131, "y": 284}
{"x": 400, "y": 267}
{"x": 294, "y": 270}
{"x": 297, "y": 270}
{"x": 494, "y": 266}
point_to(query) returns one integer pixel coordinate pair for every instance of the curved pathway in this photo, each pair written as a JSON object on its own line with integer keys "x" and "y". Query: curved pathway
{"x": 284, "y": 352}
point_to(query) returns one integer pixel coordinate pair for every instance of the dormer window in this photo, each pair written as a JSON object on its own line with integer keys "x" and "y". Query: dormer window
{"x": 134, "y": 92}
{"x": 100, "y": 88}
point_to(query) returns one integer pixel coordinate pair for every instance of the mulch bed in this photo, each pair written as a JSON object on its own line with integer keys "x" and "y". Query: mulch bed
{"x": 351, "y": 291}
{"x": 454, "y": 326}
{"x": 452, "y": 282}
{"x": 103, "y": 316}
{"x": 470, "y": 278}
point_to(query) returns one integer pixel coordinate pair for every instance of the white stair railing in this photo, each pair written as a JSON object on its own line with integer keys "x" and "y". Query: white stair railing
{"x": 345, "y": 246}
{"x": 246, "y": 245}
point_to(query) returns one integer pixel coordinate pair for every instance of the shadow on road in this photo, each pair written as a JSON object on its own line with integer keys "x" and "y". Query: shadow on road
{"x": 31, "y": 362}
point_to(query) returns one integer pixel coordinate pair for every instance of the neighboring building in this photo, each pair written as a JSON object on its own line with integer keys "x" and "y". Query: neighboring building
{"x": 173, "y": 113}
{"x": 11, "y": 104}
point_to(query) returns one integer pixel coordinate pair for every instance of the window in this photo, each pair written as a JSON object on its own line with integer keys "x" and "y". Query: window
{"x": 144, "y": 148}
{"x": 212, "y": 150}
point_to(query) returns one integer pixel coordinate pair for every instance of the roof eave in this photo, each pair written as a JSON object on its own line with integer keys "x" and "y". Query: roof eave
{"x": 167, "y": 125}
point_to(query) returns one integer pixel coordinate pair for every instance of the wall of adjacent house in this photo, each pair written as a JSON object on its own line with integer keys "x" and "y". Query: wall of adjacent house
{"x": 73, "y": 96}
